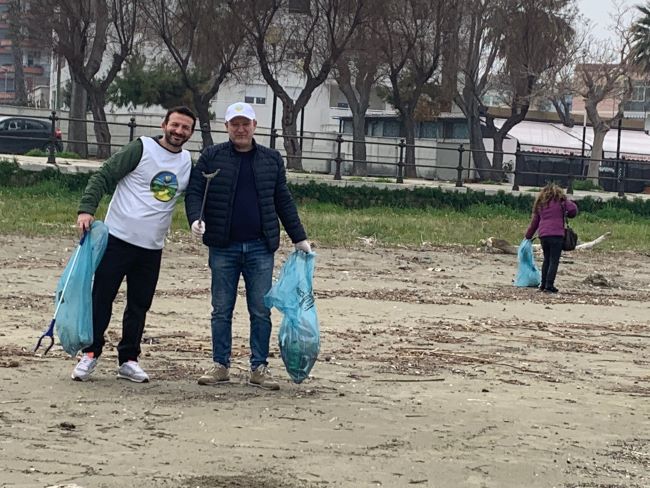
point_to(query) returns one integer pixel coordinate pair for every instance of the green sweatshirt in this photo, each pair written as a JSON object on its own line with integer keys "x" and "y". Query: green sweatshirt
{"x": 112, "y": 171}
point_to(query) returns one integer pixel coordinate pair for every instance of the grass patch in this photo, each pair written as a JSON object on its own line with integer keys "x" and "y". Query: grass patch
{"x": 586, "y": 185}
{"x": 43, "y": 154}
{"x": 334, "y": 225}
{"x": 49, "y": 208}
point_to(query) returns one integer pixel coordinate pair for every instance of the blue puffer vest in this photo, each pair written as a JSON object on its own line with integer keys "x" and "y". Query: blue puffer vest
{"x": 273, "y": 196}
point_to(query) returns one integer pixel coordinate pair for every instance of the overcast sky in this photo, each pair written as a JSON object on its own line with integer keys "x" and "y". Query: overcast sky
{"x": 600, "y": 13}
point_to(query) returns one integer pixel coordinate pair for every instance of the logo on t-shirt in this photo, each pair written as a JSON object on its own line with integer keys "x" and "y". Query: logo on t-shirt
{"x": 164, "y": 186}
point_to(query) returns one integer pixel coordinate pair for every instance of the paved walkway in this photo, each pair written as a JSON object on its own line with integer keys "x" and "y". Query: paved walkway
{"x": 32, "y": 163}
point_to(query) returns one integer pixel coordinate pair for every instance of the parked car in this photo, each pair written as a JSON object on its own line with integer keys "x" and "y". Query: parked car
{"x": 19, "y": 135}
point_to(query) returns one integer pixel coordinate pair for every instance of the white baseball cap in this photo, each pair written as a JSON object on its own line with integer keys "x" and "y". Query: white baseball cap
{"x": 240, "y": 109}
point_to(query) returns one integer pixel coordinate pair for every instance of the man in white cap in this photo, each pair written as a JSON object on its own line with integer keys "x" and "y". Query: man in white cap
{"x": 240, "y": 223}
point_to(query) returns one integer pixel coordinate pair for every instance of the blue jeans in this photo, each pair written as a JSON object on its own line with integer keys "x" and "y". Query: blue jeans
{"x": 254, "y": 261}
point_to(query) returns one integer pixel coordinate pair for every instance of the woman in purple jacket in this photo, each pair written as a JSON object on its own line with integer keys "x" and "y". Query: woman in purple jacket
{"x": 548, "y": 220}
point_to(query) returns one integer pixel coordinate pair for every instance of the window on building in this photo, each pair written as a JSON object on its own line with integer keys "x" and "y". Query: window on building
{"x": 639, "y": 93}
{"x": 428, "y": 130}
{"x": 454, "y": 129}
{"x": 255, "y": 94}
{"x": 391, "y": 128}
{"x": 255, "y": 100}
{"x": 375, "y": 128}
{"x": 299, "y": 7}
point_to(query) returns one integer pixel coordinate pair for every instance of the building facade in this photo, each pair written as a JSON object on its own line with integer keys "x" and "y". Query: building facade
{"x": 36, "y": 65}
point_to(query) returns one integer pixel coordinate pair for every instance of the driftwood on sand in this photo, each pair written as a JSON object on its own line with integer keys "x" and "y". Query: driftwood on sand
{"x": 494, "y": 244}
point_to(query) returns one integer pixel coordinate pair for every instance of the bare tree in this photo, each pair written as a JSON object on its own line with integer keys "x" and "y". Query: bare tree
{"x": 14, "y": 14}
{"x": 481, "y": 35}
{"x": 599, "y": 82}
{"x": 538, "y": 31}
{"x": 305, "y": 41}
{"x": 557, "y": 85}
{"x": 203, "y": 38}
{"x": 357, "y": 72}
{"x": 605, "y": 74}
{"x": 87, "y": 32}
{"x": 509, "y": 46}
{"x": 412, "y": 33}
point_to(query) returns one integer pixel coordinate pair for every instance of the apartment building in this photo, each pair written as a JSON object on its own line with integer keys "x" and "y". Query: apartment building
{"x": 36, "y": 66}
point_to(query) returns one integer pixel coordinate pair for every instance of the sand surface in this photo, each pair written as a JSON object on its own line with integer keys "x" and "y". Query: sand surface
{"x": 434, "y": 371}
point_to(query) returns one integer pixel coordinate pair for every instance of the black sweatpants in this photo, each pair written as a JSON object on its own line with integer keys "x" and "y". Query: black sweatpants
{"x": 141, "y": 268}
{"x": 552, "y": 247}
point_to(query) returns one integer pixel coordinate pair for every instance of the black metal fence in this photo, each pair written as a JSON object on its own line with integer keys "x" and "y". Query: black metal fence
{"x": 521, "y": 168}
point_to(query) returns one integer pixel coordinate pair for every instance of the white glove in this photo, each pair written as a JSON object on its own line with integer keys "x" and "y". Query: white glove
{"x": 303, "y": 246}
{"x": 198, "y": 228}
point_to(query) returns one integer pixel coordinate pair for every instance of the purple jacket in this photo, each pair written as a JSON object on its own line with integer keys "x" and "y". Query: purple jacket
{"x": 549, "y": 220}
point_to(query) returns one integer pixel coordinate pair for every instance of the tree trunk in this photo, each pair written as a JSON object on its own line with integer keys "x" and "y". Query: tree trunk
{"x": 477, "y": 146}
{"x": 102, "y": 132}
{"x": 359, "y": 165}
{"x": 77, "y": 132}
{"x": 19, "y": 75}
{"x": 600, "y": 131}
{"x": 202, "y": 107}
{"x": 497, "y": 157}
{"x": 14, "y": 14}
{"x": 290, "y": 136}
{"x": 410, "y": 171}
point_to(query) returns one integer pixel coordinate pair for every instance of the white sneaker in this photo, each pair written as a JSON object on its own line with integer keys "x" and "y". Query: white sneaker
{"x": 132, "y": 371}
{"x": 84, "y": 368}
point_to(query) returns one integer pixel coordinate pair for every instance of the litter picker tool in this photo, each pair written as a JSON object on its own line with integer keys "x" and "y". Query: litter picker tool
{"x": 49, "y": 333}
{"x": 208, "y": 177}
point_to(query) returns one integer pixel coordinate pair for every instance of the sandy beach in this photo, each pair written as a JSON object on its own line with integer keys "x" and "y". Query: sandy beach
{"x": 434, "y": 371}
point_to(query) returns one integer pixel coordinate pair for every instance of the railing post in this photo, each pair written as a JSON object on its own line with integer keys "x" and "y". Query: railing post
{"x": 515, "y": 172}
{"x": 338, "y": 159}
{"x": 459, "y": 168}
{"x": 132, "y": 125}
{"x": 620, "y": 178}
{"x": 569, "y": 186}
{"x": 51, "y": 157}
{"x": 400, "y": 162}
{"x": 274, "y": 136}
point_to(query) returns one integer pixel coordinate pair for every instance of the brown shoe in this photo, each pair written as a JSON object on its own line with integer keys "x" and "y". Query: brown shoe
{"x": 261, "y": 377}
{"x": 216, "y": 375}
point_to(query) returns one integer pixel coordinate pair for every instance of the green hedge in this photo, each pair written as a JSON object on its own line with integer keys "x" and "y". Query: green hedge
{"x": 11, "y": 175}
{"x": 367, "y": 196}
{"x": 356, "y": 197}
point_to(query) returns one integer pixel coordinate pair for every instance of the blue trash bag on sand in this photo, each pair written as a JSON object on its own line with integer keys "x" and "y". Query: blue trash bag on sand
{"x": 74, "y": 317}
{"x": 293, "y": 295}
{"x": 528, "y": 274}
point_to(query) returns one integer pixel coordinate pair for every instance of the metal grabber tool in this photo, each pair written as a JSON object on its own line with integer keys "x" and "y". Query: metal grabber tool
{"x": 208, "y": 177}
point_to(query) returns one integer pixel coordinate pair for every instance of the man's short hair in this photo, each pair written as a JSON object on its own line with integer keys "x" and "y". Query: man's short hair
{"x": 181, "y": 109}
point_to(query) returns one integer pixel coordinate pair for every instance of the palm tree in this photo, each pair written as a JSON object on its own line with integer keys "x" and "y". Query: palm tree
{"x": 640, "y": 52}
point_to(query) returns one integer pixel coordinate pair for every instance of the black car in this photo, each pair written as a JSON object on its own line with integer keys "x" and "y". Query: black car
{"x": 19, "y": 135}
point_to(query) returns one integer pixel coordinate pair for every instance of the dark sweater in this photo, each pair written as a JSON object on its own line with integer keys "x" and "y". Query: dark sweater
{"x": 246, "y": 222}
{"x": 273, "y": 197}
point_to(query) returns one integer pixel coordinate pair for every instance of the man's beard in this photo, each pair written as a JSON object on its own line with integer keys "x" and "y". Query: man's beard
{"x": 170, "y": 138}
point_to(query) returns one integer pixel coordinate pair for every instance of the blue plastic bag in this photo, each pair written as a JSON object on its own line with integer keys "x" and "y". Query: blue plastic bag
{"x": 527, "y": 272}
{"x": 293, "y": 295}
{"x": 74, "y": 317}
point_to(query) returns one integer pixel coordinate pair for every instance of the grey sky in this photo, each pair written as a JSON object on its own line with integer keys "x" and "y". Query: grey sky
{"x": 600, "y": 13}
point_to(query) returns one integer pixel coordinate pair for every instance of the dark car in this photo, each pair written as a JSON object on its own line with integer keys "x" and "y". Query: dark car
{"x": 19, "y": 135}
